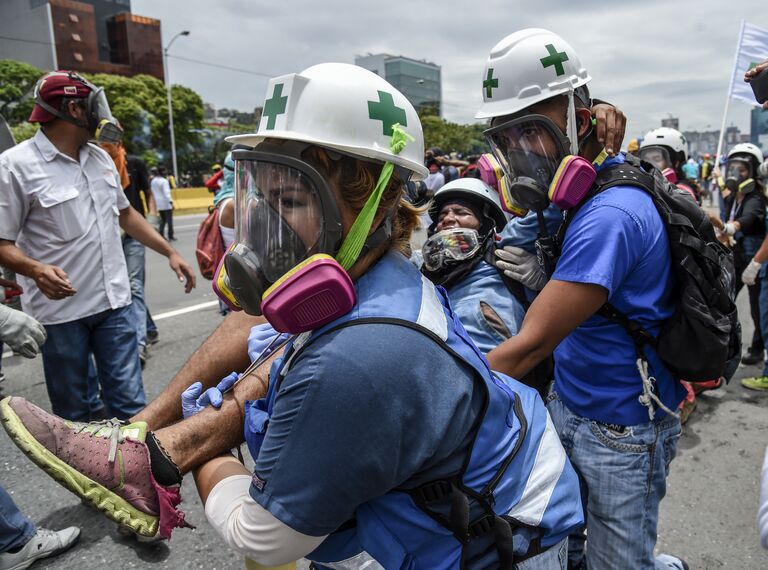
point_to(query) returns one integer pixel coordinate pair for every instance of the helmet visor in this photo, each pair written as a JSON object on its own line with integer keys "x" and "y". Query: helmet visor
{"x": 278, "y": 214}
{"x": 449, "y": 247}
{"x": 656, "y": 155}
{"x": 529, "y": 147}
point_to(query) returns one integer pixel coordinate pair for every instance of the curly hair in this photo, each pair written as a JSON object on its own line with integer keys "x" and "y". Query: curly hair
{"x": 355, "y": 179}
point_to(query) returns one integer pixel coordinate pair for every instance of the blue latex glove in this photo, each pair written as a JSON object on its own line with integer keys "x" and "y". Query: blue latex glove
{"x": 193, "y": 399}
{"x": 260, "y": 338}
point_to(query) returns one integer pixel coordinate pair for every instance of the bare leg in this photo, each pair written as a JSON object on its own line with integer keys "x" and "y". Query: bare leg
{"x": 192, "y": 442}
{"x": 223, "y": 352}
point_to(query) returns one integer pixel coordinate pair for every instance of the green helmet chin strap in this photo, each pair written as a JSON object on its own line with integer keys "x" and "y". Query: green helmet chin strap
{"x": 358, "y": 233}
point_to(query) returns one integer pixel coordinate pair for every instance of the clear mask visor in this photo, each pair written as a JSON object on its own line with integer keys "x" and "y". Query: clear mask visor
{"x": 278, "y": 214}
{"x": 529, "y": 147}
{"x": 656, "y": 155}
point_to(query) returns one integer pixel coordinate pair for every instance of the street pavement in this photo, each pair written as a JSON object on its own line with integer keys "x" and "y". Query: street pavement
{"x": 708, "y": 516}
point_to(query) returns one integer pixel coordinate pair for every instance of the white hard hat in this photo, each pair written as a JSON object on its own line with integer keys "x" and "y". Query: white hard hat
{"x": 342, "y": 107}
{"x": 527, "y": 67}
{"x": 748, "y": 149}
{"x": 668, "y": 137}
{"x": 472, "y": 190}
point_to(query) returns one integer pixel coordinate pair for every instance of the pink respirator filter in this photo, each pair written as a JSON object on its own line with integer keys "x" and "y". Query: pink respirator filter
{"x": 573, "y": 180}
{"x": 670, "y": 174}
{"x": 309, "y": 297}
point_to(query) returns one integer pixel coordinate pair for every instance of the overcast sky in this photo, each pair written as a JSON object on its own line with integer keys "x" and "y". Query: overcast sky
{"x": 652, "y": 58}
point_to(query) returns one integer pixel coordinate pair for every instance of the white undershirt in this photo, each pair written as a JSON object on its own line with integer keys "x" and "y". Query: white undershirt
{"x": 250, "y": 529}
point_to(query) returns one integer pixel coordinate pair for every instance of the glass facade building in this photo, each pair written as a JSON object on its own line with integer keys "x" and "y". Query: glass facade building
{"x": 418, "y": 80}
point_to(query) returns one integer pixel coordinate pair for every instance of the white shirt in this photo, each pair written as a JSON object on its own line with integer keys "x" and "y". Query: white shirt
{"x": 161, "y": 190}
{"x": 434, "y": 181}
{"x": 64, "y": 212}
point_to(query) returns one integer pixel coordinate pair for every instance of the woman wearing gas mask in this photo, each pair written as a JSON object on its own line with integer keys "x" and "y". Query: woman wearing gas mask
{"x": 459, "y": 255}
{"x": 744, "y": 227}
{"x": 384, "y": 435}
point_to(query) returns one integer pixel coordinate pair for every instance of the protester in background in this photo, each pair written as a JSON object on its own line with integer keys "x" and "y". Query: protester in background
{"x": 224, "y": 200}
{"x": 161, "y": 191}
{"x": 691, "y": 170}
{"x": 633, "y": 147}
{"x": 435, "y": 180}
{"x": 745, "y": 204}
{"x": 61, "y": 210}
{"x": 706, "y": 178}
{"x": 214, "y": 181}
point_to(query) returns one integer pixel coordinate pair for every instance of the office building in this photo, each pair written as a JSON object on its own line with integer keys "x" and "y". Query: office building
{"x": 418, "y": 80}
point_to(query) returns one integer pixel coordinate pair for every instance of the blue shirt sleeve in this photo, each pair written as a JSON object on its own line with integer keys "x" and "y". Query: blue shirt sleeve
{"x": 522, "y": 232}
{"x": 601, "y": 246}
{"x": 364, "y": 410}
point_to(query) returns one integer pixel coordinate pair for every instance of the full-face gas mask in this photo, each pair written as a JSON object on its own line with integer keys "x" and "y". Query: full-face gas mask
{"x": 99, "y": 120}
{"x": 542, "y": 163}
{"x": 739, "y": 176}
{"x": 659, "y": 156}
{"x": 288, "y": 259}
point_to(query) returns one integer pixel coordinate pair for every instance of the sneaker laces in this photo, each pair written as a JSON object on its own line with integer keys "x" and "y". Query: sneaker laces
{"x": 97, "y": 429}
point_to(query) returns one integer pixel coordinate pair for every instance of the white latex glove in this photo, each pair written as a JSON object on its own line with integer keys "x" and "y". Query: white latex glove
{"x": 518, "y": 264}
{"x": 21, "y": 332}
{"x": 749, "y": 275}
{"x": 730, "y": 229}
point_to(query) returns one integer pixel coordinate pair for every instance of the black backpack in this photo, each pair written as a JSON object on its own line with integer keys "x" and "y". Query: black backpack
{"x": 701, "y": 341}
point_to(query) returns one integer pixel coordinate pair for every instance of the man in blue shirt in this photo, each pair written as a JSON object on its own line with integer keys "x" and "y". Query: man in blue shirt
{"x": 609, "y": 407}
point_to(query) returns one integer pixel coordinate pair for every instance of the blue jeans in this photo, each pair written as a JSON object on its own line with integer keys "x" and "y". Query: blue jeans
{"x": 624, "y": 478}
{"x": 134, "y": 259}
{"x": 111, "y": 337}
{"x": 554, "y": 558}
{"x": 15, "y": 529}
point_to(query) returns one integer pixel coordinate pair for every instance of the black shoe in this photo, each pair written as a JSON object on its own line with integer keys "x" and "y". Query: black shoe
{"x": 143, "y": 355}
{"x": 751, "y": 358}
{"x": 153, "y": 337}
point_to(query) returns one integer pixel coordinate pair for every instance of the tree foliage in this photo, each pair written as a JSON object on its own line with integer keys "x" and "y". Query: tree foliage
{"x": 449, "y": 137}
{"x": 139, "y": 103}
{"x": 17, "y": 82}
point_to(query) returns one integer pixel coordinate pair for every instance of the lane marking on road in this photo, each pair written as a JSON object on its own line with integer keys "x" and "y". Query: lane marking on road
{"x": 166, "y": 315}
{"x": 185, "y": 310}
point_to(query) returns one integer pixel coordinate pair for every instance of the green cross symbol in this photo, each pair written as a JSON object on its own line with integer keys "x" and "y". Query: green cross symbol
{"x": 555, "y": 58}
{"x": 275, "y": 106}
{"x": 387, "y": 112}
{"x": 490, "y": 83}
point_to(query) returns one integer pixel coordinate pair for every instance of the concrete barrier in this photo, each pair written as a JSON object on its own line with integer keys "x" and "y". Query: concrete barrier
{"x": 192, "y": 200}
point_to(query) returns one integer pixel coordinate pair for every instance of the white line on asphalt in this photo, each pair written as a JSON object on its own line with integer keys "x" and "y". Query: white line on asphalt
{"x": 185, "y": 310}
{"x": 161, "y": 316}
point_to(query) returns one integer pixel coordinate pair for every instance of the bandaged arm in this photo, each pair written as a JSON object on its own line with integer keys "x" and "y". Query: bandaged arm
{"x": 252, "y": 530}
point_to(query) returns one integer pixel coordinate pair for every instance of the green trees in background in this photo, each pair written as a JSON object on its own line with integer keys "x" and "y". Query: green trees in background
{"x": 138, "y": 102}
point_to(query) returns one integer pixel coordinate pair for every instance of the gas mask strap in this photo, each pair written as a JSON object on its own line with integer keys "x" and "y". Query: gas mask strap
{"x": 572, "y": 129}
{"x": 53, "y": 111}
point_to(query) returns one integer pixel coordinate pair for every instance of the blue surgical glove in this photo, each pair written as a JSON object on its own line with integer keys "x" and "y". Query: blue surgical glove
{"x": 260, "y": 338}
{"x": 193, "y": 399}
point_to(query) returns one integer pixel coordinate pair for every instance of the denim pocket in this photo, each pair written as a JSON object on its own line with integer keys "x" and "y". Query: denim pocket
{"x": 626, "y": 443}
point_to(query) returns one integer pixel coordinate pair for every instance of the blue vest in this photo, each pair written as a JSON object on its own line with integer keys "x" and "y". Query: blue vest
{"x": 517, "y": 493}
{"x": 485, "y": 285}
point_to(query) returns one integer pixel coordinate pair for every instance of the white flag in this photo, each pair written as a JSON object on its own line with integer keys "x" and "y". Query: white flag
{"x": 753, "y": 49}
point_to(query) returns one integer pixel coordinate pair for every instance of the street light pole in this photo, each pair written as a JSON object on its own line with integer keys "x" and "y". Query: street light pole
{"x": 170, "y": 106}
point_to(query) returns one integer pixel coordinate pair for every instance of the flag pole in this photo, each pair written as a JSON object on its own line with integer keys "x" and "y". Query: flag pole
{"x": 728, "y": 97}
